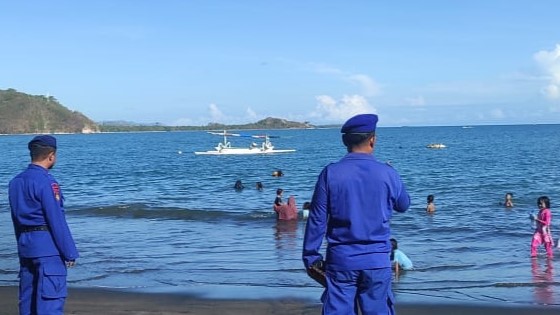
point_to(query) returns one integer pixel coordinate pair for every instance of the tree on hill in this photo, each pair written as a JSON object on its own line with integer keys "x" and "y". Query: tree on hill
{"x": 24, "y": 113}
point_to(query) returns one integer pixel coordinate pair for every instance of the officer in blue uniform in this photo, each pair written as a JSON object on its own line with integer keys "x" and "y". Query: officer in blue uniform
{"x": 352, "y": 205}
{"x": 45, "y": 245}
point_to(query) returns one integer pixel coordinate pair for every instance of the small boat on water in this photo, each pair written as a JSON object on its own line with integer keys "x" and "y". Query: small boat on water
{"x": 225, "y": 148}
{"x": 436, "y": 146}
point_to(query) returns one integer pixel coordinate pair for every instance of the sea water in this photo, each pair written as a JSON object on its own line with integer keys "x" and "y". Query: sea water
{"x": 147, "y": 214}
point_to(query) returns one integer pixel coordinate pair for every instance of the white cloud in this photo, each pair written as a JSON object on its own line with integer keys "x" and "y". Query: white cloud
{"x": 368, "y": 85}
{"x": 332, "y": 110}
{"x": 549, "y": 62}
{"x": 216, "y": 114}
{"x": 415, "y": 101}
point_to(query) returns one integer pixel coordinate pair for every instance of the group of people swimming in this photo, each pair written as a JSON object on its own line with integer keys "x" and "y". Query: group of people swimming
{"x": 542, "y": 222}
{"x": 541, "y": 236}
{"x": 238, "y": 186}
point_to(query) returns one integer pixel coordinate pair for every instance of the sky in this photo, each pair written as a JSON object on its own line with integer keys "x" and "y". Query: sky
{"x": 192, "y": 62}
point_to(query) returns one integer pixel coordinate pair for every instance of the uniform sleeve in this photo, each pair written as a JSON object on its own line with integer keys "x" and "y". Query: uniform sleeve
{"x": 56, "y": 220}
{"x": 316, "y": 227}
{"x": 402, "y": 198}
{"x": 12, "y": 193}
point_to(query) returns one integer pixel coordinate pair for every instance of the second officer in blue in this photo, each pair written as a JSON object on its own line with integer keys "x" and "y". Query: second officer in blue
{"x": 352, "y": 206}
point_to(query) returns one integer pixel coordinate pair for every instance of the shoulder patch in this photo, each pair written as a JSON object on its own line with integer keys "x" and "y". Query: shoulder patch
{"x": 56, "y": 191}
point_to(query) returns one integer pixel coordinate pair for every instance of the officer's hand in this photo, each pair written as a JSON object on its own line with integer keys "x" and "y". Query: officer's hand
{"x": 70, "y": 263}
{"x": 317, "y": 272}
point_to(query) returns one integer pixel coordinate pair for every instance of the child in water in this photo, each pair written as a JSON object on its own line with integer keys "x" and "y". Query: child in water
{"x": 398, "y": 258}
{"x": 542, "y": 232}
{"x": 431, "y": 207}
{"x": 508, "y": 202}
{"x": 278, "y": 201}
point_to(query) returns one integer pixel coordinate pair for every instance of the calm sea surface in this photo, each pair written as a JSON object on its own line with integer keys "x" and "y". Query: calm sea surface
{"x": 147, "y": 214}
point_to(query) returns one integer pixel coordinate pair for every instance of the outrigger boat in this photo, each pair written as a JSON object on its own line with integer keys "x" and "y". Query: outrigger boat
{"x": 225, "y": 148}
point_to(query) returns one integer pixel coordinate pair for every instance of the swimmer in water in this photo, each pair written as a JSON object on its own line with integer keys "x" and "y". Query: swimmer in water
{"x": 430, "y": 207}
{"x": 508, "y": 202}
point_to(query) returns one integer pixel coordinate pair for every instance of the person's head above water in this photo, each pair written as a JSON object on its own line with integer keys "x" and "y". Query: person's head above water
{"x": 430, "y": 198}
{"x": 238, "y": 184}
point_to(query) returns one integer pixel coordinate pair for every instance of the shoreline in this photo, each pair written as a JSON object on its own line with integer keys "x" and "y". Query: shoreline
{"x": 90, "y": 301}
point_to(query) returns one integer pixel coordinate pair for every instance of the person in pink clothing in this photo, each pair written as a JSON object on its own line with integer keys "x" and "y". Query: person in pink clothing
{"x": 286, "y": 211}
{"x": 542, "y": 232}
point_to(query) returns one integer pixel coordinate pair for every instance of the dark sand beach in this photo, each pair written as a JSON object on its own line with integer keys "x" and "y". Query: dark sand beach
{"x": 109, "y": 302}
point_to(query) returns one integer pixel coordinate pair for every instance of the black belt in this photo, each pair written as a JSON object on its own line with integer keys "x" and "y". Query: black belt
{"x": 25, "y": 229}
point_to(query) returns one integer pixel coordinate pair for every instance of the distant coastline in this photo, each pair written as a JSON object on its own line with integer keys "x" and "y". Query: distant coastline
{"x": 267, "y": 123}
{"x": 22, "y": 113}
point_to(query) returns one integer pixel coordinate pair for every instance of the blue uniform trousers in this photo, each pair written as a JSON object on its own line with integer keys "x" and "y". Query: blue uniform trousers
{"x": 42, "y": 286}
{"x": 369, "y": 290}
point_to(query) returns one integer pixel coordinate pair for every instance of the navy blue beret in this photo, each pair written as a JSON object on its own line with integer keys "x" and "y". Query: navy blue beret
{"x": 45, "y": 140}
{"x": 364, "y": 123}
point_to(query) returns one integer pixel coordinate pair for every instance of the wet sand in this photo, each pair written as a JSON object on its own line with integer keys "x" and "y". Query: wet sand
{"x": 108, "y": 302}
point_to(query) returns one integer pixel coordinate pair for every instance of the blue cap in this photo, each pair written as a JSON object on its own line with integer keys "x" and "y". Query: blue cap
{"x": 364, "y": 123}
{"x": 45, "y": 140}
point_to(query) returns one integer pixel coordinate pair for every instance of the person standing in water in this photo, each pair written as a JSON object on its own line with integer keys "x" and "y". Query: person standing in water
{"x": 542, "y": 232}
{"x": 278, "y": 200}
{"x": 508, "y": 201}
{"x": 431, "y": 206}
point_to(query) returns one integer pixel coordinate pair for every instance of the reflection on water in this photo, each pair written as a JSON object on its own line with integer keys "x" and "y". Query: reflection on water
{"x": 543, "y": 278}
{"x": 286, "y": 234}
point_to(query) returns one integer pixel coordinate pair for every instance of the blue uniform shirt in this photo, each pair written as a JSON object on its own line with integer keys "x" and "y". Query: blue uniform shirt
{"x": 36, "y": 200}
{"x": 352, "y": 205}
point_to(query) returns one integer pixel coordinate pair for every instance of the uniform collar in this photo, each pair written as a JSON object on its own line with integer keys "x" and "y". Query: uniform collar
{"x": 37, "y": 167}
{"x": 364, "y": 156}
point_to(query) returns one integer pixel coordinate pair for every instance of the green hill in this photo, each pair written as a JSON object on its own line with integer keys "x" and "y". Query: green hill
{"x": 267, "y": 123}
{"x": 24, "y": 113}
